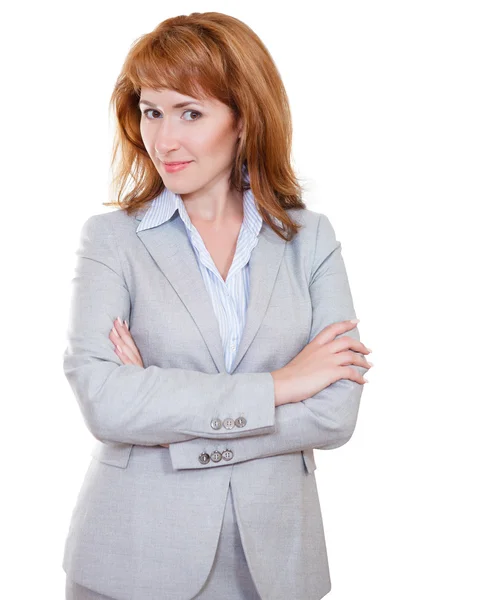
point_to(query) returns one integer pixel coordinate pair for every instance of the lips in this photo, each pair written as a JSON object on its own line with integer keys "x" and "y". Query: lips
{"x": 174, "y": 167}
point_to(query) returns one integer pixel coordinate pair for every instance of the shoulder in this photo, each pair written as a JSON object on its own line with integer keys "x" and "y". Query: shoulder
{"x": 315, "y": 227}
{"x": 110, "y": 222}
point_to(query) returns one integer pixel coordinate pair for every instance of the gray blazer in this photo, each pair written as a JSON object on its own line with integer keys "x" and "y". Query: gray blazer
{"x": 147, "y": 519}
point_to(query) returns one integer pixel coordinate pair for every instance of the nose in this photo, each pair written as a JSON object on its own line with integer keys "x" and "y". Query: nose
{"x": 166, "y": 138}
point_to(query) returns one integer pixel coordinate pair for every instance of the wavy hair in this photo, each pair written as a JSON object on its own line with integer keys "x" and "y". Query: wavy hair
{"x": 205, "y": 55}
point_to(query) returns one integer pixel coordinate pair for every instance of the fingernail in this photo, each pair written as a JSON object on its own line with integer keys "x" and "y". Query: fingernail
{"x": 369, "y": 363}
{"x": 126, "y": 324}
{"x": 354, "y": 320}
{"x": 365, "y": 380}
{"x": 119, "y": 321}
{"x": 115, "y": 331}
{"x": 119, "y": 349}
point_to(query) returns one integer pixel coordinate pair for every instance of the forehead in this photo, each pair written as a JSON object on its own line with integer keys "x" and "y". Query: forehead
{"x": 170, "y": 97}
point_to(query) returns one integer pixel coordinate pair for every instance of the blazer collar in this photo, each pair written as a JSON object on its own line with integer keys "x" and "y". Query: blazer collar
{"x": 168, "y": 244}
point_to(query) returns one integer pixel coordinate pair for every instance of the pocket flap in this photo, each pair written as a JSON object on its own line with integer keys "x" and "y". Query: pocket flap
{"x": 309, "y": 460}
{"x": 112, "y": 453}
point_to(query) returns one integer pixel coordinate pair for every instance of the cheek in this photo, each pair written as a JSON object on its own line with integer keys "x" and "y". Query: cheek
{"x": 221, "y": 144}
{"x": 147, "y": 142}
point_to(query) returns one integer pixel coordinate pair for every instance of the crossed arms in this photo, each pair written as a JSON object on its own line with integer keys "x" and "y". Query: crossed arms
{"x": 152, "y": 406}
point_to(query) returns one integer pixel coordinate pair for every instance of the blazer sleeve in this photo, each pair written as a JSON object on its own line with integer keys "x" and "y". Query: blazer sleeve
{"x": 131, "y": 404}
{"x": 326, "y": 420}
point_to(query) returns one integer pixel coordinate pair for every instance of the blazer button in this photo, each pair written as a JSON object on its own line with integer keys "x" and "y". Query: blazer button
{"x": 216, "y": 456}
{"x": 204, "y": 458}
{"x": 240, "y": 422}
{"x": 227, "y": 455}
{"x": 215, "y": 423}
{"x": 229, "y": 423}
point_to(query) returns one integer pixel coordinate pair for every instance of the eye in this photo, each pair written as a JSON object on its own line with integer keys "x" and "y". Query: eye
{"x": 195, "y": 112}
{"x": 146, "y": 111}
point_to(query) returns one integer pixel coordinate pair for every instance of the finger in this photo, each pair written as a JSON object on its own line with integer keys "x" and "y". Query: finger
{"x": 352, "y": 374}
{"x": 352, "y": 358}
{"x": 119, "y": 342}
{"x": 127, "y": 356}
{"x": 330, "y": 332}
{"x": 121, "y": 336}
{"x": 122, "y": 356}
{"x": 124, "y": 349}
{"x": 345, "y": 341}
{"x": 128, "y": 359}
{"x": 125, "y": 335}
{"x": 130, "y": 342}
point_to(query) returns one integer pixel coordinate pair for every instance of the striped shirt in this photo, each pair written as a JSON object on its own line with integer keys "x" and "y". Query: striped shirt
{"x": 229, "y": 297}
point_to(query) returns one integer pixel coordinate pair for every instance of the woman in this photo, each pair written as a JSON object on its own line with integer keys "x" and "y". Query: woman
{"x": 210, "y": 341}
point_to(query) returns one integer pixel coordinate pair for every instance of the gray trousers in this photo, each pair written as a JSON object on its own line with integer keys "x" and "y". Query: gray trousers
{"x": 229, "y": 577}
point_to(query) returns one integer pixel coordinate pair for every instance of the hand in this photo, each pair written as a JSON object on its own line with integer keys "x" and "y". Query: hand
{"x": 322, "y": 362}
{"x": 125, "y": 347}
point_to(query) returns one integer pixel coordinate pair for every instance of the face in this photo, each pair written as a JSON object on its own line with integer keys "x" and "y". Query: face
{"x": 198, "y": 131}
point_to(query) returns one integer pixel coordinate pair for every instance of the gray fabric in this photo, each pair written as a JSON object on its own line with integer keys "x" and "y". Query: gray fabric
{"x": 229, "y": 297}
{"x": 75, "y": 591}
{"x": 147, "y": 520}
{"x": 229, "y": 577}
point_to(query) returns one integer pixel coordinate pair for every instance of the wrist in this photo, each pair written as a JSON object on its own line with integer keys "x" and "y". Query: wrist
{"x": 281, "y": 386}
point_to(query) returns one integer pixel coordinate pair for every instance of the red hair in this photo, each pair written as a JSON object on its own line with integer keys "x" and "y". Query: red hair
{"x": 209, "y": 55}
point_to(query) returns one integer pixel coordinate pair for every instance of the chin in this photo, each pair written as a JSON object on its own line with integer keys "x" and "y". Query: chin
{"x": 178, "y": 188}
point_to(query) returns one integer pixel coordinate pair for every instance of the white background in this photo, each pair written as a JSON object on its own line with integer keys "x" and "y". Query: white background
{"x": 385, "y": 101}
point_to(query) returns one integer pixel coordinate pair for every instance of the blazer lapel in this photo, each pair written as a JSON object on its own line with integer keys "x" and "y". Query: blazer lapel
{"x": 169, "y": 246}
{"x": 264, "y": 263}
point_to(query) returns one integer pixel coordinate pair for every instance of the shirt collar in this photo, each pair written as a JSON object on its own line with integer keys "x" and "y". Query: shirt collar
{"x": 167, "y": 202}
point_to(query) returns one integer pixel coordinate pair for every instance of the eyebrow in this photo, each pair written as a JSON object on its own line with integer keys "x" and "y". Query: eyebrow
{"x": 178, "y": 105}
